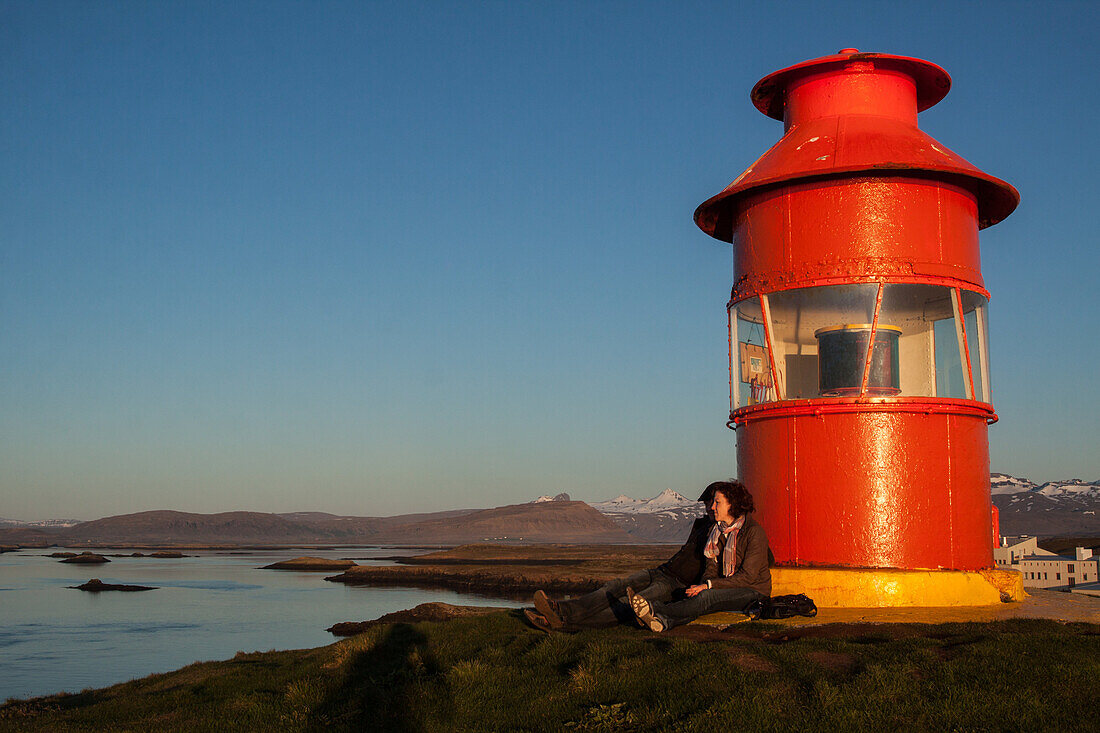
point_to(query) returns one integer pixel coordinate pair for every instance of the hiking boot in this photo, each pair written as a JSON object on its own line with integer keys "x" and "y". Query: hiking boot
{"x": 548, "y": 609}
{"x": 537, "y": 620}
{"x": 644, "y": 612}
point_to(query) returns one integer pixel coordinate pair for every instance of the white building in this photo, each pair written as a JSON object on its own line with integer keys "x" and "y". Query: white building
{"x": 1013, "y": 549}
{"x": 1043, "y": 569}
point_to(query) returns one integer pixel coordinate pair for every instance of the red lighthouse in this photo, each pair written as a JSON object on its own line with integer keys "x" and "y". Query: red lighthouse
{"x": 859, "y": 364}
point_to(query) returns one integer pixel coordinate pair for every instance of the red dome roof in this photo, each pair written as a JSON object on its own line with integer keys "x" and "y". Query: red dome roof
{"x": 850, "y": 145}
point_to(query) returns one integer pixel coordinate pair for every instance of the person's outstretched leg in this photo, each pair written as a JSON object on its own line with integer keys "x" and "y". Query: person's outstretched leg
{"x": 709, "y": 601}
{"x": 606, "y": 606}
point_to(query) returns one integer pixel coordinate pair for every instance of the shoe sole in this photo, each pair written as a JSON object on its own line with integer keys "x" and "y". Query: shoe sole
{"x": 644, "y": 612}
{"x": 537, "y": 620}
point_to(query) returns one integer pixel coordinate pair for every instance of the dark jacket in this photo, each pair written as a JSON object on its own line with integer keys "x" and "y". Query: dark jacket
{"x": 689, "y": 564}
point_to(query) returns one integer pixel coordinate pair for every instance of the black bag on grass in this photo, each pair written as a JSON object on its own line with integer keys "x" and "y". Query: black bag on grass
{"x": 782, "y": 607}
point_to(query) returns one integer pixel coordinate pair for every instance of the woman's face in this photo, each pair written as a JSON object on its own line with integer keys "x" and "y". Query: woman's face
{"x": 720, "y": 507}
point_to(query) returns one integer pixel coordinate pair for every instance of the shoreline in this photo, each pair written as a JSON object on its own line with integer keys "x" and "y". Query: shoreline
{"x": 510, "y": 572}
{"x": 466, "y": 580}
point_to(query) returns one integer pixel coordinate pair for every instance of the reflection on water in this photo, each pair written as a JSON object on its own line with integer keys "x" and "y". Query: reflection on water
{"x": 206, "y": 584}
{"x": 206, "y": 607}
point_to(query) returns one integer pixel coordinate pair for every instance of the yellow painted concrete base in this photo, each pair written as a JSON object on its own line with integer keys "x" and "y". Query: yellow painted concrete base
{"x": 885, "y": 588}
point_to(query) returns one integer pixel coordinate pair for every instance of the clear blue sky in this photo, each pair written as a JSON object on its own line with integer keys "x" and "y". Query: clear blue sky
{"x": 385, "y": 257}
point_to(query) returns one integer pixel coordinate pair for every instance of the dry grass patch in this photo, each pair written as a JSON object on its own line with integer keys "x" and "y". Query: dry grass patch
{"x": 749, "y": 662}
{"x": 841, "y": 662}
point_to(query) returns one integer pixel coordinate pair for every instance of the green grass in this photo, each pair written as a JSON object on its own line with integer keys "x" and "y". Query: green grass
{"x": 494, "y": 673}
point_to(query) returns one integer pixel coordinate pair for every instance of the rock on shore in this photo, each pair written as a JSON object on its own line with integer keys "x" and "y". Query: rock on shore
{"x": 424, "y": 612}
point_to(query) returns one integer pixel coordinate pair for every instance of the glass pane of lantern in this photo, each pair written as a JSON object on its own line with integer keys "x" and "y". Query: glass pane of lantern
{"x": 931, "y": 364}
{"x": 915, "y": 309}
{"x": 750, "y": 363}
{"x": 983, "y": 345}
{"x": 949, "y": 365}
{"x": 839, "y": 314}
{"x": 973, "y": 303}
{"x": 971, "y": 322}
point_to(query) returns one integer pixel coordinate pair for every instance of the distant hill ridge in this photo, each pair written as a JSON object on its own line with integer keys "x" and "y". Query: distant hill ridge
{"x": 1051, "y": 509}
{"x": 173, "y": 526}
{"x": 558, "y": 521}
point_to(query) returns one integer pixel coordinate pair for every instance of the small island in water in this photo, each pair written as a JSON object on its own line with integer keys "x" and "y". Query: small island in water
{"x": 95, "y": 585}
{"x": 311, "y": 563}
{"x": 84, "y": 558}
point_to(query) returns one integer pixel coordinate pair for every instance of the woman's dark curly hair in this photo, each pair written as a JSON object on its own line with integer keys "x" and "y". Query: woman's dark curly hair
{"x": 736, "y": 494}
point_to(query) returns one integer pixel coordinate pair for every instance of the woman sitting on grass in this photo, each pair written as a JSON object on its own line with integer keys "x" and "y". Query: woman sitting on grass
{"x": 723, "y": 566}
{"x": 735, "y": 565}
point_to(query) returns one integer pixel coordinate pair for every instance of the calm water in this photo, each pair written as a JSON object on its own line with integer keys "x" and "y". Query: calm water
{"x": 207, "y": 607}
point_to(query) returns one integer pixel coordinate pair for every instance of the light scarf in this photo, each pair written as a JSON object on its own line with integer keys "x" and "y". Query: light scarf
{"x": 729, "y": 554}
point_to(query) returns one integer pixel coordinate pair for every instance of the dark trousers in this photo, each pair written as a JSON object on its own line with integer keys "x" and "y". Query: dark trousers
{"x": 709, "y": 601}
{"x": 607, "y": 606}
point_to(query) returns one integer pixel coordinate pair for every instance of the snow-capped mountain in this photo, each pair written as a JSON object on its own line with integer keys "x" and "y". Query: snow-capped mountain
{"x": 666, "y": 501}
{"x": 1073, "y": 489}
{"x": 1002, "y": 483}
{"x": 666, "y": 517}
{"x": 621, "y": 503}
{"x": 1054, "y": 508}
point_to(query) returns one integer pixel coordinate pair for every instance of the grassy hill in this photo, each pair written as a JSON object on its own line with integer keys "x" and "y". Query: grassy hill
{"x": 492, "y": 672}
